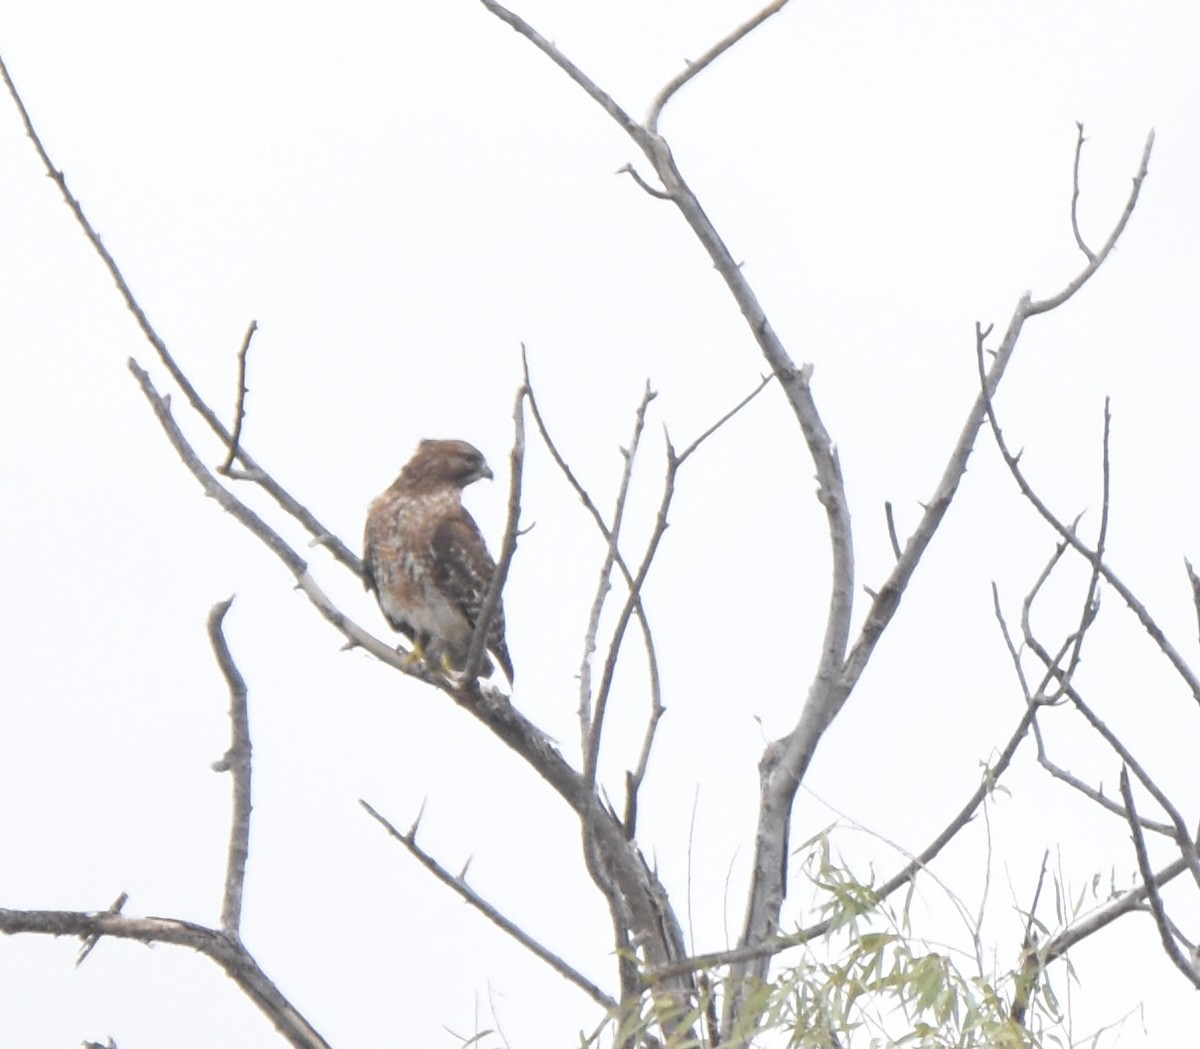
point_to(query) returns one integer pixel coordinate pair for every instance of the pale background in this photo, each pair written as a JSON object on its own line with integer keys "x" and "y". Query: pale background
{"x": 400, "y": 194}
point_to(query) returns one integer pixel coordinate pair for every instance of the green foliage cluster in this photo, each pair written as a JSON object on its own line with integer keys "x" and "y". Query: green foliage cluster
{"x": 869, "y": 981}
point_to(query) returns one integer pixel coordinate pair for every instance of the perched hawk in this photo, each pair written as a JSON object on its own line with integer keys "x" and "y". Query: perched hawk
{"x": 426, "y": 561}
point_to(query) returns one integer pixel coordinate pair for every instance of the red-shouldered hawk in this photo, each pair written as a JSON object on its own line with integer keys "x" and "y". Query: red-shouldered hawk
{"x": 426, "y": 560}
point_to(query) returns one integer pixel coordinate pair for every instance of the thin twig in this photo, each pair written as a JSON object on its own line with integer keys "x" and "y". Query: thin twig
{"x": 592, "y": 744}
{"x": 237, "y": 762}
{"x": 599, "y": 96}
{"x": 239, "y": 408}
{"x": 89, "y": 943}
{"x": 592, "y": 707}
{"x": 1181, "y": 836}
{"x": 1075, "y": 197}
{"x": 602, "y": 526}
{"x": 508, "y": 546}
{"x": 458, "y": 884}
{"x": 1068, "y": 535}
{"x": 253, "y": 472}
{"x": 633, "y": 173}
{"x": 1184, "y": 965}
{"x": 1091, "y": 601}
{"x": 1097, "y": 260}
{"x": 675, "y": 461}
{"x": 706, "y": 434}
{"x": 1054, "y": 672}
{"x": 705, "y": 60}
{"x": 1194, "y": 580}
{"x": 890, "y": 516}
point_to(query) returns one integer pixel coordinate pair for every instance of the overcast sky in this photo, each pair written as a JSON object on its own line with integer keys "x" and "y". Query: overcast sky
{"x": 401, "y": 194}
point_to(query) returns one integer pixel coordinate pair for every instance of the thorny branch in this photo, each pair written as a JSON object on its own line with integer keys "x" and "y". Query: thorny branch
{"x": 239, "y": 407}
{"x": 252, "y": 471}
{"x": 645, "y": 911}
{"x": 458, "y": 883}
{"x": 786, "y": 760}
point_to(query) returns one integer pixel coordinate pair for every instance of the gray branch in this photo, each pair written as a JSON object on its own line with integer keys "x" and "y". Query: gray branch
{"x": 237, "y": 763}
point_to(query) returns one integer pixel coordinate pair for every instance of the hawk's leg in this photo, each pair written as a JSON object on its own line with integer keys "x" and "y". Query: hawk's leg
{"x": 416, "y": 657}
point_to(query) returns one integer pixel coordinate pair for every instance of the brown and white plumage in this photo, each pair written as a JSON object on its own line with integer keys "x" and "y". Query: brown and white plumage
{"x": 426, "y": 560}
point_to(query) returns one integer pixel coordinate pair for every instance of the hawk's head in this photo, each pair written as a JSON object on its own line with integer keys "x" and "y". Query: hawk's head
{"x": 439, "y": 463}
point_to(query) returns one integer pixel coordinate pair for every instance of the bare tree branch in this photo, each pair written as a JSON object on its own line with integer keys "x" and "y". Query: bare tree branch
{"x": 600, "y": 97}
{"x": 605, "y": 531}
{"x": 645, "y": 908}
{"x": 705, "y": 60}
{"x": 239, "y": 408}
{"x": 1097, "y": 796}
{"x": 674, "y": 462}
{"x": 508, "y": 546}
{"x": 706, "y": 434}
{"x": 1184, "y": 965}
{"x": 1075, "y": 198}
{"x": 592, "y": 707}
{"x": 1069, "y": 536}
{"x": 237, "y": 762}
{"x": 1097, "y": 260}
{"x": 89, "y": 944}
{"x": 890, "y": 516}
{"x": 1195, "y": 582}
{"x": 632, "y": 172}
{"x": 226, "y": 951}
{"x": 253, "y": 471}
{"x": 1055, "y": 672}
{"x": 786, "y": 760}
{"x": 465, "y": 892}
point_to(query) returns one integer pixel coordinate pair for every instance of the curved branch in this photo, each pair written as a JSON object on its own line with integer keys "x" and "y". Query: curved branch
{"x": 237, "y": 762}
{"x": 225, "y": 950}
{"x": 1097, "y": 260}
{"x": 705, "y": 60}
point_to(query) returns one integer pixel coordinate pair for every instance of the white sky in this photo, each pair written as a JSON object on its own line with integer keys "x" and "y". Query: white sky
{"x": 400, "y": 194}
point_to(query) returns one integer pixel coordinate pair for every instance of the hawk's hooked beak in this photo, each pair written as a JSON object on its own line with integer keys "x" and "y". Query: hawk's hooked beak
{"x": 485, "y": 471}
